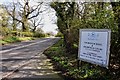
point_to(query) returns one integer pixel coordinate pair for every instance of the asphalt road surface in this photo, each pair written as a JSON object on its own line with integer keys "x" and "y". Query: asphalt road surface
{"x": 26, "y": 61}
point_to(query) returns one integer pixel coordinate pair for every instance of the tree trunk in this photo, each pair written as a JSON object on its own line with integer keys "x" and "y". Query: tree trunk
{"x": 14, "y": 25}
{"x": 34, "y": 29}
{"x": 67, "y": 41}
{"x": 25, "y": 25}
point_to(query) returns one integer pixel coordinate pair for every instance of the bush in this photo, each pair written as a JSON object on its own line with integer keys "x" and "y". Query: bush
{"x": 26, "y": 34}
{"x": 14, "y": 33}
{"x": 4, "y": 31}
{"x": 26, "y": 38}
{"x": 59, "y": 34}
{"x": 37, "y": 34}
{"x": 11, "y": 39}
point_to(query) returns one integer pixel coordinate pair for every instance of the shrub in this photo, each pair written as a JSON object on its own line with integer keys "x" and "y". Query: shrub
{"x": 26, "y": 34}
{"x": 11, "y": 39}
{"x": 59, "y": 34}
{"x": 37, "y": 34}
{"x": 4, "y": 31}
{"x": 14, "y": 33}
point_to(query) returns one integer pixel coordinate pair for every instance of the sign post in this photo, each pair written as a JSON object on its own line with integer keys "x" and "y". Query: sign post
{"x": 94, "y": 45}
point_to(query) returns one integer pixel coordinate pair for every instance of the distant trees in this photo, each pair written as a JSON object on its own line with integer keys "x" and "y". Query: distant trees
{"x": 22, "y": 17}
{"x": 12, "y": 13}
{"x": 24, "y": 12}
{"x": 4, "y": 22}
{"x": 4, "y": 17}
{"x": 49, "y": 34}
{"x": 35, "y": 22}
{"x": 59, "y": 34}
{"x": 39, "y": 33}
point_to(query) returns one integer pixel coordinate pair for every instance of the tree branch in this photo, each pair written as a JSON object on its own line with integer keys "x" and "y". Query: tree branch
{"x": 13, "y": 16}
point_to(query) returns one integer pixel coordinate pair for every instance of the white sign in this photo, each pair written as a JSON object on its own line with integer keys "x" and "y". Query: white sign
{"x": 94, "y": 46}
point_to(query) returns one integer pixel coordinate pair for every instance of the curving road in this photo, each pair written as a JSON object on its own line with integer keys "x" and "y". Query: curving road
{"x": 26, "y": 61}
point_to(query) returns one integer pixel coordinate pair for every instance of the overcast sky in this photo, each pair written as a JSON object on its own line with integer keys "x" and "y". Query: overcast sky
{"x": 48, "y": 17}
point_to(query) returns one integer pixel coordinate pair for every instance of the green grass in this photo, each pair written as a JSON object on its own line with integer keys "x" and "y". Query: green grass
{"x": 3, "y": 42}
{"x": 25, "y": 38}
{"x": 12, "y": 39}
{"x": 67, "y": 63}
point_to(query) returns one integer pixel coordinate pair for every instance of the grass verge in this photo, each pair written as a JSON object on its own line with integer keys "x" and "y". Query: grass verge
{"x": 67, "y": 63}
{"x": 12, "y": 39}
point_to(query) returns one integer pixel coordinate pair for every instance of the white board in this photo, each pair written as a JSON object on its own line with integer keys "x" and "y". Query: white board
{"x": 94, "y": 45}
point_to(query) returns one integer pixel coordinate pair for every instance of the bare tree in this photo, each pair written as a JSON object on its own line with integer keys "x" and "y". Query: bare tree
{"x": 35, "y": 22}
{"x": 11, "y": 10}
{"x": 25, "y": 12}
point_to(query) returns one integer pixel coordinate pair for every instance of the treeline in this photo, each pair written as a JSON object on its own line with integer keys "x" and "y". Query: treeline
{"x": 73, "y": 16}
{"x": 22, "y": 18}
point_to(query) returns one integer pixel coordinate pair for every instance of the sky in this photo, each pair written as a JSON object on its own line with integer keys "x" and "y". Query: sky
{"x": 48, "y": 18}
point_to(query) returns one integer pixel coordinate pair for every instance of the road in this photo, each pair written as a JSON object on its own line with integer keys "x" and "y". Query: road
{"x": 26, "y": 61}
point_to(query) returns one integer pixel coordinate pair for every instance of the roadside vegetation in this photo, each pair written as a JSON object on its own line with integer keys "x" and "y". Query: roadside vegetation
{"x": 67, "y": 63}
{"x": 73, "y": 16}
{"x": 14, "y": 36}
{"x": 9, "y": 36}
{"x": 21, "y": 21}
{"x": 12, "y": 39}
{"x": 25, "y": 22}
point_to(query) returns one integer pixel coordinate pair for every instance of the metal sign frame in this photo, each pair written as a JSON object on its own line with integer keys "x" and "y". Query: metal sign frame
{"x": 106, "y": 63}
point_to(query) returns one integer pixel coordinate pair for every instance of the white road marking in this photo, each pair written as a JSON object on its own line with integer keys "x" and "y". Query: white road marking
{"x": 23, "y": 46}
